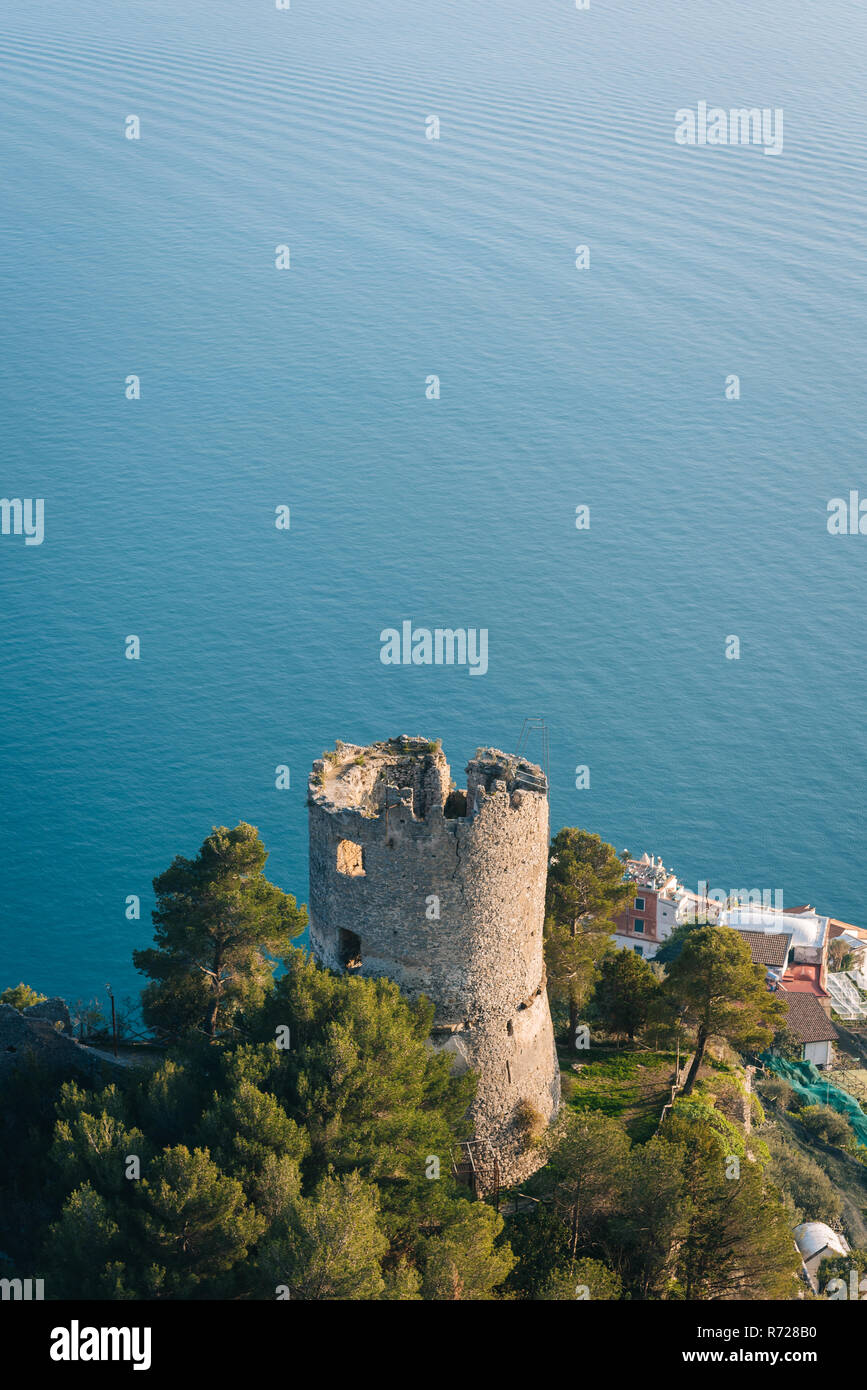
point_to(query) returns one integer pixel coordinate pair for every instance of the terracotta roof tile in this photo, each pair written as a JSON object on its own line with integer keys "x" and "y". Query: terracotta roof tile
{"x": 766, "y": 948}
{"x": 807, "y": 1019}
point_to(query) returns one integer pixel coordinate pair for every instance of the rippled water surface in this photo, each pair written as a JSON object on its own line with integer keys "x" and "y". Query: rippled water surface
{"x": 413, "y": 257}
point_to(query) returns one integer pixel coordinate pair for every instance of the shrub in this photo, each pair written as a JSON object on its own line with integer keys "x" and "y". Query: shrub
{"x": 589, "y": 1279}
{"x": 777, "y": 1092}
{"x": 21, "y": 996}
{"x": 827, "y": 1124}
{"x": 788, "y": 1045}
{"x": 808, "y": 1187}
{"x": 541, "y": 1240}
{"x": 727, "y": 1093}
{"x": 530, "y": 1122}
{"x": 841, "y": 1266}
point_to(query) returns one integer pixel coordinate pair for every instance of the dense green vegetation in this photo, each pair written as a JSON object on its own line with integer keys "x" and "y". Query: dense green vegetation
{"x": 221, "y": 928}
{"x": 295, "y": 1139}
{"x": 21, "y": 996}
{"x": 585, "y": 893}
{"x": 672, "y": 1218}
{"x": 715, "y": 987}
{"x": 822, "y": 1178}
{"x": 297, "y": 1159}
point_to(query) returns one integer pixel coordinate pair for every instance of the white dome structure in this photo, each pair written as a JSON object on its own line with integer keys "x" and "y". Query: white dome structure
{"x": 816, "y": 1241}
{"x": 815, "y": 1238}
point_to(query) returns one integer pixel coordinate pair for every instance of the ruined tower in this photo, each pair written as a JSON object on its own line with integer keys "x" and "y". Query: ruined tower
{"x": 443, "y": 891}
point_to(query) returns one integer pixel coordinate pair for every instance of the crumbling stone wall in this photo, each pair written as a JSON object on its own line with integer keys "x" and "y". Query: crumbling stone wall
{"x": 40, "y": 1033}
{"x": 445, "y": 895}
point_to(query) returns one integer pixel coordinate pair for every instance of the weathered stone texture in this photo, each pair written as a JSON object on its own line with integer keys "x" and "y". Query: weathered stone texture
{"x": 446, "y": 897}
{"x": 31, "y": 1036}
{"x": 54, "y": 1010}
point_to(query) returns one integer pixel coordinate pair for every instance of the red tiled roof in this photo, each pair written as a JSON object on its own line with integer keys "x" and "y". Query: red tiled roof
{"x": 766, "y": 948}
{"x": 806, "y": 1017}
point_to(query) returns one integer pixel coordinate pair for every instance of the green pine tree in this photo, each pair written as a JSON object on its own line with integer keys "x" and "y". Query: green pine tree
{"x": 220, "y": 929}
{"x": 586, "y": 891}
{"x": 624, "y": 992}
{"x": 722, "y": 994}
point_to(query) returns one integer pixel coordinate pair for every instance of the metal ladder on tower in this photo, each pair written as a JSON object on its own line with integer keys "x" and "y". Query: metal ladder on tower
{"x": 478, "y": 1167}
{"x": 533, "y": 724}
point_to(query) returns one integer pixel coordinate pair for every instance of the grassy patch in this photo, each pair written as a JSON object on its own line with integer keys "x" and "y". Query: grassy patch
{"x": 631, "y": 1086}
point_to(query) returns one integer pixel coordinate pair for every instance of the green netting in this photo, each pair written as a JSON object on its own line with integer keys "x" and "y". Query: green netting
{"x": 809, "y": 1082}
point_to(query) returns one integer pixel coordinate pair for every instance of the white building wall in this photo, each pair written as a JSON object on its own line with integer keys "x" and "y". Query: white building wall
{"x": 666, "y": 918}
{"x": 629, "y": 943}
{"x": 819, "y": 1053}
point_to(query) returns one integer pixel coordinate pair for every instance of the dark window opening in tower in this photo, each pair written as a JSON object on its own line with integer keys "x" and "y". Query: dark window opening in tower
{"x": 349, "y": 949}
{"x": 350, "y": 859}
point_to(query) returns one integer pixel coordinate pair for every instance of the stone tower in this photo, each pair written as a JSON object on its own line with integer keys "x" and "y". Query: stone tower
{"x": 443, "y": 891}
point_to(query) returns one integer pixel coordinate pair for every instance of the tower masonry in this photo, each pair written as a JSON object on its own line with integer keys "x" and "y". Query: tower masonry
{"x": 443, "y": 891}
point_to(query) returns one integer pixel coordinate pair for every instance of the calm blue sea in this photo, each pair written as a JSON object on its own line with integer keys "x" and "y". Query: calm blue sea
{"x": 413, "y": 257}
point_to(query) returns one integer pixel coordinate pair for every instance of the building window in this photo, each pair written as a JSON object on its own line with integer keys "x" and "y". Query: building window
{"x": 639, "y": 950}
{"x": 350, "y": 859}
{"x": 639, "y": 904}
{"x": 638, "y": 925}
{"x": 349, "y": 948}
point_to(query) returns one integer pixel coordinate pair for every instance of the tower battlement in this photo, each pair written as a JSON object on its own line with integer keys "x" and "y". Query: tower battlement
{"x": 412, "y": 774}
{"x": 442, "y": 889}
